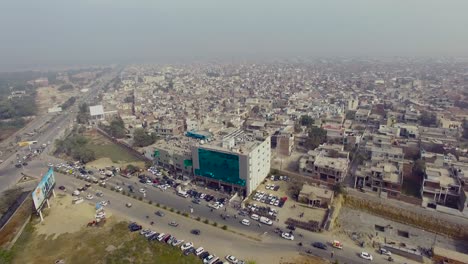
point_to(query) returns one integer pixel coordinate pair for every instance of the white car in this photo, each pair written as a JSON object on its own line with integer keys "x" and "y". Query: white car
{"x": 89, "y": 196}
{"x": 385, "y": 252}
{"x": 255, "y": 217}
{"x": 76, "y": 193}
{"x": 118, "y": 188}
{"x": 210, "y": 259}
{"x": 232, "y": 259}
{"x": 177, "y": 242}
{"x": 186, "y": 246}
{"x": 366, "y": 255}
{"x": 287, "y": 236}
{"x": 199, "y": 250}
{"x": 245, "y": 222}
{"x": 142, "y": 190}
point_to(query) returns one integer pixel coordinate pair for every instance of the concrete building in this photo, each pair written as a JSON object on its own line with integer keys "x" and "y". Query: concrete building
{"x": 315, "y": 196}
{"x": 384, "y": 177}
{"x": 170, "y": 129}
{"x": 439, "y": 187}
{"x": 327, "y": 163}
{"x": 174, "y": 156}
{"x": 238, "y": 162}
{"x": 96, "y": 112}
{"x": 283, "y": 142}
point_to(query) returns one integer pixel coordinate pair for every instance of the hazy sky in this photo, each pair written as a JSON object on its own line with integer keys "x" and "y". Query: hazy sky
{"x": 48, "y": 32}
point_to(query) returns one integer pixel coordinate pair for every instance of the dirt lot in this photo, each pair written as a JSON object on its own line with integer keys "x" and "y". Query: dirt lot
{"x": 110, "y": 154}
{"x": 51, "y": 96}
{"x": 63, "y": 235}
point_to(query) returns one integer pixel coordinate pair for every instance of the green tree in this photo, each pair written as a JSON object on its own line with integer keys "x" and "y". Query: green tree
{"x": 256, "y": 109}
{"x": 428, "y": 119}
{"x": 83, "y": 114}
{"x": 297, "y": 127}
{"x": 316, "y": 136}
{"x": 141, "y": 138}
{"x": 116, "y": 128}
{"x": 306, "y": 121}
{"x": 419, "y": 168}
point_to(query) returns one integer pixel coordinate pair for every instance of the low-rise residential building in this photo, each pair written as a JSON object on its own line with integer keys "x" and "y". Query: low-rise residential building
{"x": 384, "y": 177}
{"x": 439, "y": 187}
{"x": 327, "y": 163}
{"x": 315, "y": 196}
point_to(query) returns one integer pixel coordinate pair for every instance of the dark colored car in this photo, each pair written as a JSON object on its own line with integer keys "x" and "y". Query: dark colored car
{"x": 195, "y": 231}
{"x": 319, "y": 245}
{"x": 189, "y": 251}
{"x": 204, "y": 255}
{"x": 18, "y": 165}
{"x": 134, "y": 227}
{"x": 196, "y": 201}
{"x": 62, "y": 188}
{"x": 159, "y": 213}
{"x": 291, "y": 227}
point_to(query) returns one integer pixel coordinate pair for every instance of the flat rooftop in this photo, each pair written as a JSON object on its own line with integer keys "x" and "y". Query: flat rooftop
{"x": 441, "y": 175}
{"x": 389, "y": 171}
{"x": 340, "y": 164}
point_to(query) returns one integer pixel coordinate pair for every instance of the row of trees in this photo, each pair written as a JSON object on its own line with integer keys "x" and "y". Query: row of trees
{"x": 17, "y": 107}
{"x": 75, "y": 146}
{"x": 69, "y": 102}
{"x": 83, "y": 114}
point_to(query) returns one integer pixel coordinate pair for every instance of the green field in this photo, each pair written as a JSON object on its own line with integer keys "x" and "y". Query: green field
{"x": 112, "y": 151}
{"x": 109, "y": 244}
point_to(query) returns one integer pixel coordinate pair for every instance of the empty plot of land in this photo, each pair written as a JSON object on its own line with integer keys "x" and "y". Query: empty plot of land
{"x": 69, "y": 240}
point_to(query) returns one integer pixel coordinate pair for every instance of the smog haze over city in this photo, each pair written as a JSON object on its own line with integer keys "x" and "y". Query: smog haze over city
{"x": 48, "y": 32}
{"x": 233, "y": 132}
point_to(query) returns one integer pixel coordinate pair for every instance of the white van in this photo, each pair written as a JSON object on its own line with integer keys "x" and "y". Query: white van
{"x": 254, "y": 217}
{"x": 266, "y": 221}
{"x": 182, "y": 194}
{"x": 199, "y": 250}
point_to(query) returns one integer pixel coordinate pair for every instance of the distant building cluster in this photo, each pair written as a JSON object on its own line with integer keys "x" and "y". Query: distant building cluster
{"x": 394, "y": 129}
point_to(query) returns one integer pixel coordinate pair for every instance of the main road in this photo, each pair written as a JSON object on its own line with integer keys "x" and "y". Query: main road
{"x": 48, "y": 128}
{"x": 249, "y": 246}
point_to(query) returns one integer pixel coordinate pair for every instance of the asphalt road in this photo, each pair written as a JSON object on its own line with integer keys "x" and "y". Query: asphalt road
{"x": 271, "y": 242}
{"x": 49, "y": 127}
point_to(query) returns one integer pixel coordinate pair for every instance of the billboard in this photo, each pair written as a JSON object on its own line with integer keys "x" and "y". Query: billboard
{"x": 43, "y": 189}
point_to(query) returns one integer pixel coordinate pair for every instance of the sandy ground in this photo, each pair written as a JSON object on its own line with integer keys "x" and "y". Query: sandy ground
{"x": 50, "y": 96}
{"x": 66, "y": 217}
{"x": 106, "y": 162}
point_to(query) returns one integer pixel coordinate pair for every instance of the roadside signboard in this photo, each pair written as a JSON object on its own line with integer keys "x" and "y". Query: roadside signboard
{"x": 43, "y": 189}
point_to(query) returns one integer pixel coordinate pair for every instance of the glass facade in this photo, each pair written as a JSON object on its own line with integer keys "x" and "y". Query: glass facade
{"x": 219, "y": 166}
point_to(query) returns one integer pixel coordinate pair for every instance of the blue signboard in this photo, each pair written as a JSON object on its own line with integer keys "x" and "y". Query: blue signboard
{"x": 43, "y": 188}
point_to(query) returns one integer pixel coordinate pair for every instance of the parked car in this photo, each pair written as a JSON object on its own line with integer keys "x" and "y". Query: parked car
{"x": 186, "y": 246}
{"x": 199, "y": 250}
{"x": 188, "y": 251}
{"x": 134, "y": 227}
{"x": 89, "y": 196}
{"x": 210, "y": 259}
{"x": 232, "y": 259}
{"x": 195, "y": 231}
{"x": 204, "y": 254}
{"x": 128, "y": 205}
{"x": 366, "y": 256}
{"x": 319, "y": 245}
{"x": 173, "y": 223}
{"x": 245, "y": 222}
{"x": 62, "y": 188}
